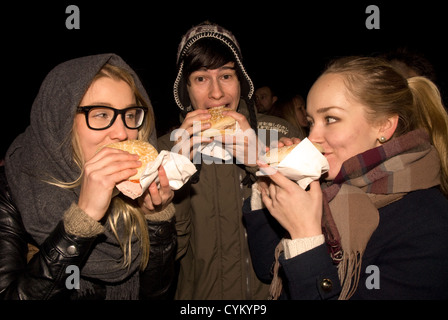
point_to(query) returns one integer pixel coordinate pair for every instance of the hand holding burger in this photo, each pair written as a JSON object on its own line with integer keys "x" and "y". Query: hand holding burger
{"x": 145, "y": 151}
{"x": 154, "y": 198}
{"x": 297, "y": 210}
{"x": 101, "y": 174}
{"x": 232, "y": 132}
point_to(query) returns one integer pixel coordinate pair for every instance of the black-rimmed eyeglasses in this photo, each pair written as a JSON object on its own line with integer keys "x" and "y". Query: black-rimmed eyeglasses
{"x": 102, "y": 117}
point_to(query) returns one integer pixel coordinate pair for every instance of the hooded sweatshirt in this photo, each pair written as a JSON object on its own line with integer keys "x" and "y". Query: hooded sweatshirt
{"x": 44, "y": 152}
{"x": 215, "y": 261}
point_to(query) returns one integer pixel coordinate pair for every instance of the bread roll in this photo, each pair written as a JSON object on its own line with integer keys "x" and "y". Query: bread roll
{"x": 220, "y": 124}
{"x": 319, "y": 147}
{"x": 143, "y": 149}
{"x": 275, "y": 156}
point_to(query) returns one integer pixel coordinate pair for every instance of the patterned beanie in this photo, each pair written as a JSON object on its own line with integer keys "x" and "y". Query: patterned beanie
{"x": 207, "y": 30}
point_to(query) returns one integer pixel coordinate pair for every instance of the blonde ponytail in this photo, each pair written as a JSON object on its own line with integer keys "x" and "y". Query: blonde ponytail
{"x": 432, "y": 116}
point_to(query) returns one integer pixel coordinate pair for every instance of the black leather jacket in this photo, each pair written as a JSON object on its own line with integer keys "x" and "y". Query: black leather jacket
{"x": 44, "y": 276}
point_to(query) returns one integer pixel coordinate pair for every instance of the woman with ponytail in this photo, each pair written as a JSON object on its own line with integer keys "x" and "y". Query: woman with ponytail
{"x": 377, "y": 225}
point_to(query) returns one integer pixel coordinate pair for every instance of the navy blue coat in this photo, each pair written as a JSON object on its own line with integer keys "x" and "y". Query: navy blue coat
{"x": 406, "y": 257}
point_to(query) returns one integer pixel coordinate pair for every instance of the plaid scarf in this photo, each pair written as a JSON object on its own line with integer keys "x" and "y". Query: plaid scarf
{"x": 365, "y": 183}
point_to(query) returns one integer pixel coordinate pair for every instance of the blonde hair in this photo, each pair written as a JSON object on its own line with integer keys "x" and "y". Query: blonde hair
{"x": 417, "y": 101}
{"x": 121, "y": 207}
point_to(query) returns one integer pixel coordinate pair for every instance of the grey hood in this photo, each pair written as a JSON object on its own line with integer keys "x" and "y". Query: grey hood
{"x": 44, "y": 150}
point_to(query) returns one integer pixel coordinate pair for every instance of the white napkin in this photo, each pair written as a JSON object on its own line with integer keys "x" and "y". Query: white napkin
{"x": 216, "y": 148}
{"x": 178, "y": 169}
{"x": 303, "y": 164}
{"x": 244, "y": 148}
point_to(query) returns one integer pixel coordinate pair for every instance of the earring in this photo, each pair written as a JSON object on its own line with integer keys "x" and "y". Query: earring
{"x": 382, "y": 139}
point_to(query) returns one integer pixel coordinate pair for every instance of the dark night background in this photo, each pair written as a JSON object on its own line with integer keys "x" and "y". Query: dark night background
{"x": 286, "y": 43}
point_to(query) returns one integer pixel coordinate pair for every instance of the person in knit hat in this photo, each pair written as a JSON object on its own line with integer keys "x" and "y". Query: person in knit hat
{"x": 214, "y": 255}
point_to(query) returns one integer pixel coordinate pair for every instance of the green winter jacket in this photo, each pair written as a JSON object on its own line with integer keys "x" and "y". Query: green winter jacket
{"x": 212, "y": 246}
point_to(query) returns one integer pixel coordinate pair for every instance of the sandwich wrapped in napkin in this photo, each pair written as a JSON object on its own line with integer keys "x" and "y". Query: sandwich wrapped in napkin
{"x": 220, "y": 125}
{"x": 229, "y": 140}
{"x": 178, "y": 168}
{"x": 302, "y": 162}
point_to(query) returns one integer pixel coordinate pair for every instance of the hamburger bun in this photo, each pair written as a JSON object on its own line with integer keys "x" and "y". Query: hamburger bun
{"x": 319, "y": 147}
{"x": 275, "y": 156}
{"x": 220, "y": 124}
{"x": 143, "y": 149}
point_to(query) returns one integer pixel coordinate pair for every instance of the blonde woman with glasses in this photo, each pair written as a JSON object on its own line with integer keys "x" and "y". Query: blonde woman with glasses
{"x": 58, "y": 196}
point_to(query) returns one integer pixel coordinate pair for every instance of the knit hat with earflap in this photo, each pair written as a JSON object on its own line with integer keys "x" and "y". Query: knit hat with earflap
{"x": 201, "y": 31}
